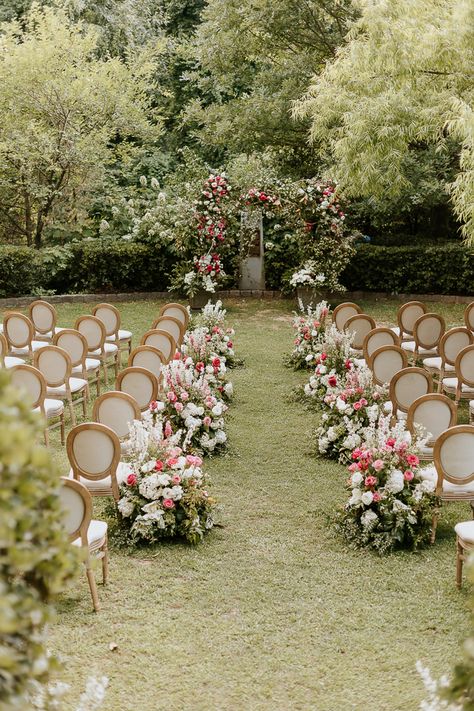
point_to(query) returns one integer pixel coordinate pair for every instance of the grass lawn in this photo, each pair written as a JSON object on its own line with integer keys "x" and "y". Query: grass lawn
{"x": 271, "y": 612}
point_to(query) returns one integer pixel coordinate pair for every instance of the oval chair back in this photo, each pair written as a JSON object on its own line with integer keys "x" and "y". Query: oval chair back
{"x": 360, "y": 325}
{"x": 407, "y": 385}
{"x": 428, "y": 330}
{"x": 469, "y": 316}
{"x": 378, "y": 337}
{"x": 140, "y": 383}
{"x": 343, "y": 312}
{"x": 453, "y": 341}
{"x": 148, "y": 357}
{"x": 93, "y": 330}
{"x": 55, "y": 364}
{"x": 464, "y": 366}
{"x": 454, "y": 458}
{"x": 162, "y": 340}
{"x": 116, "y": 410}
{"x": 18, "y": 330}
{"x": 434, "y": 412}
{"x": 110, "y": 316}
{"x": 177, "y": 311}
{"x": 407, "y": 315}
{"x": 93, "y": 450}
{"x": 3, "y": 350}
{"x": 76, "y": 503}
{"x": 171, "y": 325}
{"x": 44, "y": 318}
{"x": 385, "y": 362}
{"x": 32, "y": 381}
{"x": 74, "y": 343}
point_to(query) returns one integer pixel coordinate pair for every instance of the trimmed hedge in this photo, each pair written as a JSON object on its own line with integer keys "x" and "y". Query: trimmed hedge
{"x": 422, "y": 269}
{"x": 19, "y": 268}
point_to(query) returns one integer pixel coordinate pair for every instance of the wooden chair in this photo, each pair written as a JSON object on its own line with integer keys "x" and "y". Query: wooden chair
{"x": 43, "y": 317}
{"x": 407, "y": 314}
{"x": 385, "y": 362}
{"x": 406, "y": 386}
{"x": 19, "y": 332}
{"x": 148, "y": 357}
{"x": 162, "y": 340}
{"x": 117, "y": 410}
{"x": 56, "y": 366}
{"x": 435, "y": 413}
{"x": 171, "y": 325}
{"x": 140, "y": 383}
{"x": 376, "y": 338}
{"x": 451, "y": 343}
{"x": 75, "y": 344}
{"x": 464, "y": 546}
{"x": 461, "y": 386}
{"x": 32, "y": 381}
{"x": 178, "y": 311}
{"x": 344, "y": 311}
{"x": 93, "y": 330}
{"x": 84, "y": 531}
{"x": 7, "y": 361}
{"x": 94, "y": 453}
{"x": 427, "y": 332}
{"x": 469, "y": 316}
{"x": 113, "y": 333}
{"x": 359, "y": 325}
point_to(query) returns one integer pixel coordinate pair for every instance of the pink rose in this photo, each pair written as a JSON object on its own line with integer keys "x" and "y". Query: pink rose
{"x": 132, "y": 479}
{"x": 354, "y": 467}
{"x": 171, "y": 461}
{"x": 153, "y": 405}
{"x": 229, "y": 344}
{"x": 171, "y": 396}
{"x": 179, "y": 407}
{"x": 408, "y": 476}
{"x": 184, "y": 396}
{"x": 176, "y": 479}
{"x": 200, "y": 366}
{"x": 323, "y": 356}
{"x": 177, "y": 356}
{"x": 357, "y": 405}
{"x": 370, "y": 480}
{"x": 168, "y": 503}
{"x": 356, "y": 453}
{"x": 332, "y": 381}
{"x": 168, "y": 429}
{"x": 412, "y": 460}
{"x": 207, "y": 421}
{"x": 378, "y": 465}
{"x": 390, "y": 442}
{"x": 375, "y": 395}
{"x": 363, "y": 401}
{"x": 158, "y": 466}
{"x": 377, "y": 497}
{"x": 194, "y": 460}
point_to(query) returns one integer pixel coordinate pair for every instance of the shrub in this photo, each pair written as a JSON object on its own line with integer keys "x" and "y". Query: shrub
{"x": 18, "y": 266}
{"x": 36, "y": 558}
{"x": 418, "y": 269}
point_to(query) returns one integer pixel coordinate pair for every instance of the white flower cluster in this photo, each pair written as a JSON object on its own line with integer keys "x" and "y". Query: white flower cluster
{"x": 308, "y": 275}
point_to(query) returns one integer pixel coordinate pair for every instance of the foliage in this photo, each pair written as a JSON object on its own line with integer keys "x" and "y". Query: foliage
{"x": 310, "y": 326}
{"x": 331, "y": 362}
{"x": 403, "y": 79}
{"x": 37, "y": 559}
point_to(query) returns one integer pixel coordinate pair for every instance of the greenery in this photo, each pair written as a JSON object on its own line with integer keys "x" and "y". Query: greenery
{"x": 36, "y": 558}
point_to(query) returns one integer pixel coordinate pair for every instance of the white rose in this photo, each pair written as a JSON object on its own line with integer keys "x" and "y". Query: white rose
{"x": 395, "y": 481}
{"x": 367, "y": 498}
{"x": 322, "y": 369}
{"x": 368, "y": 517}
{"x": 427, "y": 486}
{"x": 148, "y": 466}
{"x": 221, "y": 437}
{"x": 309, "y": 357}
{"x": 177, "y": 493}
{"x": 341, "y": 405}
{"x": 125, "y": 507}
{"x": 163, "y": 479}
{"x": 229, "y": 389}
{"x": 217, "y": 410}
{"x": 356, "y": 497}
{"x": 356, "y": 479}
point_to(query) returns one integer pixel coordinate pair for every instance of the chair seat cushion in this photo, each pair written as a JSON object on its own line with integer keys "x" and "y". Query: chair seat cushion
{"x": 452, "y": 384}
{"x": 431, "y": 474}
{"x": 76, "y": 384}
{"x": 123, "y": 335}
{"x": 35, "y": 345}
{"x": 52, "y": 408}
{"x": 436, "y": 363}
{"x": 465, "y": 530}
{"x": 395, "y": 329}
{"x": 108, "y": 348}
{"x": 123, "y": 470}
{"x": 11, "y": 361}
{"x": 48, "y": 335}
{"x": 410, "y": 346}
{"x": 96, "y": 533}
{"x": 91, "y": 364}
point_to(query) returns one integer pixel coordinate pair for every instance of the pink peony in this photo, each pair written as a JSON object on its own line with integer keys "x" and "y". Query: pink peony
{"x": 184, "y": 396}
{"x": 378, "y": 465}
{"x": 171, "y": 461}
{"x": 168, "y": 503}
{"x": 153, "y": 405}
{"x": 176, "y": 479}
{"x": 323, "y": 356}
{"x": 412, "y": 460}
{"x": 390, "y": 442}
{"x": 354, "y": 467}
{"x": 132, "y": 479}
{"x": 332, "y": 381}
{"x": 363, "y": 401}
{"x": 356, "y": 453}
{"x": 200, "y": 366}
{"x": 194, "y": 460}
{"x": 229, "y": 344}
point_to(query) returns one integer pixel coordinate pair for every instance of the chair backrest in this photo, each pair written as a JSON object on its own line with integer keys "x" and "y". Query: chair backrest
{"x": 378, "y": 337}
{"x": 469, "y": 316}
{"x": 74, "y": 343}
{"x": 30, "y": 379}
{"x": 116, "y": 410}
{"x": 453, "y": 341}
{"x": 55, "y": 364}
{"x": 428, "y": 329}
{"x": 162, "y": 340}
{"x": 110, "y": 316}
{"x": 178, "y": 311}
{"x": 3, "y": 349}
{"x": 93, "y": 330}
{"x": 359, "y": 325}
{"x": 171, "y": 325}
{"x": 385, "y": 362}
{"x": 149, "y": 358}
{"x": 435, "y": 412}
{"x": 18, "y": 329}
{"x": 76, "y": 504}
{"x": 407, "y": 315}
{"x": 140, "y": 383}
{"x": 407, "y": 385}
{"x": 464, "y": 365}
{"x": 93, "y": 450}
{"x": 43, "y": 316}
{"x": 453, "y": 455}
{"x": 344, "y": 311}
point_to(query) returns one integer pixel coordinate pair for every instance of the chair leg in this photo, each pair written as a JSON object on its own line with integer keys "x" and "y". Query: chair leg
{"x": 71, "y": 411}
{"x": 92, "y": 586}
{"x": 459, "y": 561}
{"x": 105, "y": 561}
{"x": 434, "y": 525}
{"x": 46, "y": 436}
{"x": 106, "y": 377}
{"x": 84, "y": 401}
{"x": 116, "y": 362}
{"x": 61, "y": 419}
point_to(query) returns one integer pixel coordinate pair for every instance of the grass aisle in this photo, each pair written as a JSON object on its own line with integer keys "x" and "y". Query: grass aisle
{"x": 271, "y": 612}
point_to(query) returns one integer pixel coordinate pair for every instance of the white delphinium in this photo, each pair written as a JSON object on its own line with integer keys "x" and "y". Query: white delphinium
{"x": 433, "y": 687}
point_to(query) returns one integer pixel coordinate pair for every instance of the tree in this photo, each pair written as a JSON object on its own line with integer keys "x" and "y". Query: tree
{"x": 404, "y": 81}
{"x": 66, "y": 114}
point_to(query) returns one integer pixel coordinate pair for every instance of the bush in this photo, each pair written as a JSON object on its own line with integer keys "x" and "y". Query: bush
{"x": 36, "y": 557}
{"x": 18, "y": 270}
{"x": 418, "y": 269}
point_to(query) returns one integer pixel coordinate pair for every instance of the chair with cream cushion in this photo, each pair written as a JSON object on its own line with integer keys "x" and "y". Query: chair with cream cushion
{"x": 93, "y": 330}
{"x": 451, "y": 343}
{"x": 405, "y": 387}
{"x": 376, "y": 338}
{"x": 162, "y": 340}
{"x": 464, "y": 546}
{"x": 150, "y": 358}
{"x": 75, "y": 344}
{"x": 407, "y": 314}
{"x": 117, "y": 410}
{"x": 110, "y": 315}
{"x": 19, "y": 332}
{"x": 56, "y": 366}
{"x": 178, "y": 311}
{"x": 94, "y": 453}
{"x": 343, "y": 312}
{"x": 30, "y": 379}
{"x": 453, "y": 470}
{"x": 359, "y": 325}
{"x": 140, "y": 383}
{"x": 435, "y": 413}
{"x": 44, "y": 318}
{"x": 7, "y": 361}
{"x": 469, "y": 316}
{"x": 462, "y": 385}
{"x": 171, "y": 325}
{"x": 83, "y": 531}
{"x": 385, "y": 362}
{"x": 427, "y": 333}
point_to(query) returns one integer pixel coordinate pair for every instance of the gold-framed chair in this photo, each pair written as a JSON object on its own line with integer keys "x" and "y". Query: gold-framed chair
{"x": 405, "y": 387}
{"x": 140, "y": 383}
{"x": 407, "y": 314}
{"x": 385, "y": 362}
{"x": 111, "y": 317}
{"x": 469, "y": 316}
{"x": 359, "y": 326}
{"x": 44, "y": 318}
{"x": 117, "y": 410}
{"x": 178, "y": 311}
{"x": 56, "y": 366}
{"x": 19, "y": 331}
{"x": 150, "y": 358}
{"x": 171, "y": 325}
{"x": 464, "y": 546}
{"x": 344, "y": 311}
{"x": 435, "y": 413}
{"x": 162, "y": 341}
{"x": 428, "y": 330}
{"x": 93, "y": 330}
{"x": 7, "y": 361}
{"x": 32, "y": 381}
{"x": 462, "y": 385}
{"x": 75, "y": 344}
{"x": 451, "y": 343}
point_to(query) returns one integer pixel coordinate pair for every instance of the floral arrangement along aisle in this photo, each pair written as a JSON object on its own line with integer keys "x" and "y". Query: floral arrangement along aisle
{"x": 310, "y": 327}
{"x": 219, "y": 336}
{"x": 166, "y": 494}
{"x": 390, "y": 506}
{"x": 332, "y": 362}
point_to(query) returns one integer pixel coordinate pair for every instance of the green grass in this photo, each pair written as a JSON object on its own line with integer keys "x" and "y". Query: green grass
{"x": 271, "y": 611}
